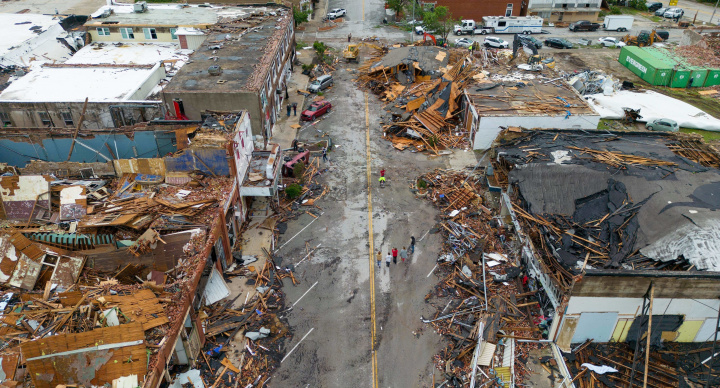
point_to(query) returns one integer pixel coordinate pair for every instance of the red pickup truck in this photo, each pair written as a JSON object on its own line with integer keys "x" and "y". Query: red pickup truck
{"x": 583, "y": 25}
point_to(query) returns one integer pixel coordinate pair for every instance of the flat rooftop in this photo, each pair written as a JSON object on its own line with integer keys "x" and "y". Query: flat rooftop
{"x": 513, "y": 96}
{"x": 17, "y": 29}
{"x": 74, "y": 84}
{"x": 244, "y": 59}
{"x": 128, "y": 53}
{"x": 156, "y": 15}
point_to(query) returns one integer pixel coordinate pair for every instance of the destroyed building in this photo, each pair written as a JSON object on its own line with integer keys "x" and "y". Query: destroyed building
{"x": 532, "y": 101}
{"x": 106, "y": 277}
{"x": 244, "y": 62}
{"x": 602, "y": 216}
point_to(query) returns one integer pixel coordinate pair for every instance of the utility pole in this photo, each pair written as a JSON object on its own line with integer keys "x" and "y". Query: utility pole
{"x": 412, "y": 30}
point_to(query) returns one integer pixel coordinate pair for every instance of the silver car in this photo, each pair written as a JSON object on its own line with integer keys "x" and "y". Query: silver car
{"x": 665, "y": 125}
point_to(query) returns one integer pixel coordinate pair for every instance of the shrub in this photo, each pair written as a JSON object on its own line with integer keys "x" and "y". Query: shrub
{"x": 421, "y": 184}
{"x": 293, "y": 191}
{"x": 298, "y": 170}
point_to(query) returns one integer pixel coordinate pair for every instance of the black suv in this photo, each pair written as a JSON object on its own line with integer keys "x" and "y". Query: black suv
{"x": 653, "y": 6}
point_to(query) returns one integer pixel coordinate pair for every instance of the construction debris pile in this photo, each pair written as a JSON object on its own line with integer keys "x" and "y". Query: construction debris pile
{"x": 311, "y": 189}
{"x": 265, "y": 334}
{"x": 422, "y": 85}
{"x": 488, "y": 307}
{"x": 611, "y": 365}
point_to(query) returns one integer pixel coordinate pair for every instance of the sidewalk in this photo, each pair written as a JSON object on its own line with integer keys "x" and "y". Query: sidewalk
{"x": 284, "y": 134}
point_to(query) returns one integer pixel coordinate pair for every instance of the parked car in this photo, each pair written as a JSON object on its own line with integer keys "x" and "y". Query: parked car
{"x": 660, "y": 11}
{"x": 492, "y": 41}
{"x": 558, "y": 43}
{"x": 532, "y": 40}
{"x": 654, "y": 6}
{"x": 611, "y": 42}
{"x": 317, "y": 109}
{"x": 663, "y": 34}
{"x": 583, "y": 25}
{"x": 336, "y": 13}
{"x": 419, "y": 30}
{"x": 464, "y": 42}
{"x": 666, "y": 125}
{"x": 321, "y": 83}
{"x": 673, "y": 13}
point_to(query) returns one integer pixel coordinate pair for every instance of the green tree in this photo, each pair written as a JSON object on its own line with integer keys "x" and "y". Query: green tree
{"x": 397, "y": 6}
{"x": 320, "y": 49}
{"x": 439, "y": 22}
{"x": 300, "y": 16}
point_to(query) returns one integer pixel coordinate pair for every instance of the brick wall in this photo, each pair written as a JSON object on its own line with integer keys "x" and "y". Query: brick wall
{"x": 476, "y": 9}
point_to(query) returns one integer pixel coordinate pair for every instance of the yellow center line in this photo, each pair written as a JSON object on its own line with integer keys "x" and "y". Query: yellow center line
{"x": 371, "y": 245}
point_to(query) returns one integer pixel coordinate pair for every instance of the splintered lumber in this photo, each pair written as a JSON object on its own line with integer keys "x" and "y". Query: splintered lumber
{"x": 619, "y": 160}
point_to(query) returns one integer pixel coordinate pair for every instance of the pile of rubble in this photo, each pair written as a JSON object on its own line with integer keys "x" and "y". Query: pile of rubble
{"x": 489, "y": 309}
{"x": 111, "y": 281}
{"x": 611, "y": 365}
{"x": 422, "y": 85}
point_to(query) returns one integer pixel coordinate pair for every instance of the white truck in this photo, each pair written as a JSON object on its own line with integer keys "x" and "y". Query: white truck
{"x": 466, "y": 27}
{"x": 618, "y": 23}
{"x": 501, "y": 25}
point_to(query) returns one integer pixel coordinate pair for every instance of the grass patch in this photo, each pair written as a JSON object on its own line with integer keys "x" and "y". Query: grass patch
{"x": 709, "y": 136}
{"x": 656, "y": 19}
{"x": 691, "y": 96}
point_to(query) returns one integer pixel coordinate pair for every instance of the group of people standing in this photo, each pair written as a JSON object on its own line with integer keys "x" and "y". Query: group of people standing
{"x": 393, "y": 254}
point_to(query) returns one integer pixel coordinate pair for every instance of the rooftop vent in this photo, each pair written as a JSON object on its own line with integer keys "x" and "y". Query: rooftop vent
{"x": 140, "y": 7}
{"x": 215, "y": 70}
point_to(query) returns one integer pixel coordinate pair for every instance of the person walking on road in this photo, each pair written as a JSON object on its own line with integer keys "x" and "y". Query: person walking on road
{"x": 403, "y": 254}
{"x": 288, "y": 110}
{"x": 324, "y": 154}
{"x": 379, "y": 259}
{"x": 388, "y": 259}
{"x": 294, "y": 108}
{"x": 349, "y": 36}
{"x": 412, "y": 245}
{"x": 394, "y": 255}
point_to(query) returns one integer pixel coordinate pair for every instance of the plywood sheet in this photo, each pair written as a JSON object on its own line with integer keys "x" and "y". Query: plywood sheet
{"x": 621, "y": 330}
{"x": 142, "y": 307}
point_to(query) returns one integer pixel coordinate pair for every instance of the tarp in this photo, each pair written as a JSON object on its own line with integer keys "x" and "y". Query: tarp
{"x": 652, "y": 106}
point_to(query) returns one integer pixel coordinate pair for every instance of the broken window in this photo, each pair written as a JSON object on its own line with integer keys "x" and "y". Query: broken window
{"x": 172, "y": 33}
{"x": 67, "y": 118}
{"x": 150, "y": 33}
{"x": 103, "y": 31}
{"x": 5, "y": 119}
{"x": 127, "y": 33}
{"x": 45, "y": 118}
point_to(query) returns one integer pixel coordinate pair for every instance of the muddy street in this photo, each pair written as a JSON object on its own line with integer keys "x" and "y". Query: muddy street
{"x": 341, "y": 285}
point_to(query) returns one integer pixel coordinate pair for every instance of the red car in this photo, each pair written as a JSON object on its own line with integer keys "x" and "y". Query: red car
{"x": 316, "y": 110}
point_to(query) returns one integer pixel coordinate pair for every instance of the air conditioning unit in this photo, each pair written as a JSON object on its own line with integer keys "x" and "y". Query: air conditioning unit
{"x": 215, "y": 70}
{"x": 140, "y": 7}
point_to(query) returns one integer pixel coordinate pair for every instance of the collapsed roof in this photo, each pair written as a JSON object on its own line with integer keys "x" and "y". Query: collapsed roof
{"x": 618, "y": 201}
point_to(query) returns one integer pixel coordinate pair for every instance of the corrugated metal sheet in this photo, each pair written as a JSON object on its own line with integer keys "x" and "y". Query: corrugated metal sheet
{"x": 216, "y": 289}
{"x": 487, "y": 350}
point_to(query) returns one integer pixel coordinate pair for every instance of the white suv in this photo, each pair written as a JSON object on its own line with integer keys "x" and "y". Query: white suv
{"x": 495, "y": 42}
{"x": 336, "y": 13}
